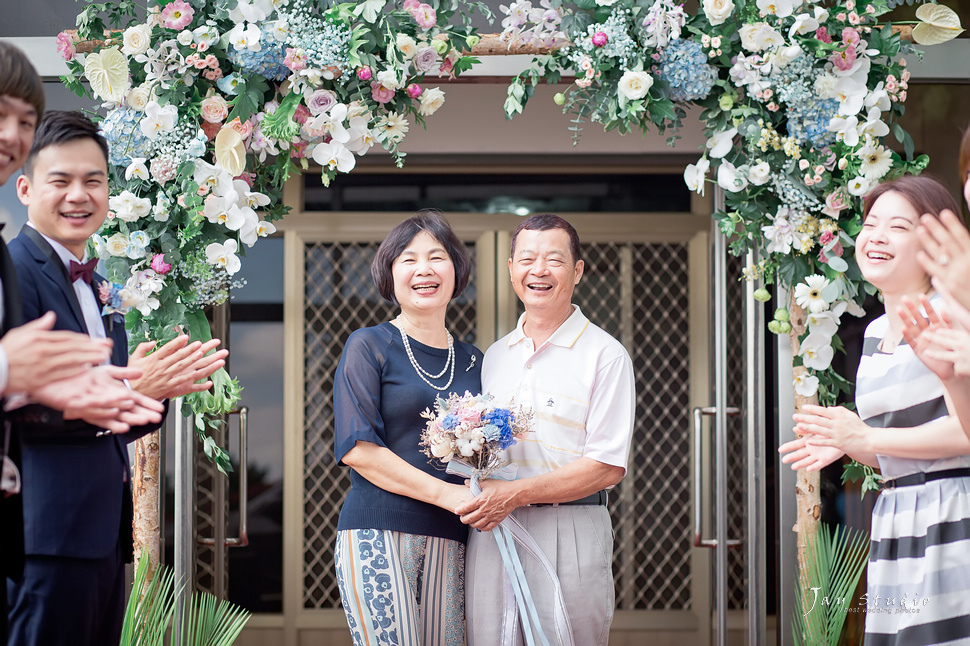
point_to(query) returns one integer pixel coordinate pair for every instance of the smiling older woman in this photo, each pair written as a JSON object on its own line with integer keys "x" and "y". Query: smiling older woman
{"x": 400, "y": 553}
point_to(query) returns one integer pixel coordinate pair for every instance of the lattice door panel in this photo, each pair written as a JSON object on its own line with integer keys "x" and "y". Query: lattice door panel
{"x": 639, "y": 294}
{"x": 340, "y": 297}
{"x": 736, "y": 439}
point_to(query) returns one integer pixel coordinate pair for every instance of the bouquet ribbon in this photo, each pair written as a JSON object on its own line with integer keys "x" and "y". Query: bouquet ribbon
{"x": 507, "y": 534}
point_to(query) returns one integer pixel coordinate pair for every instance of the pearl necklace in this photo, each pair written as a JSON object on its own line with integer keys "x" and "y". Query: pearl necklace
{"x": 424, "y": 374}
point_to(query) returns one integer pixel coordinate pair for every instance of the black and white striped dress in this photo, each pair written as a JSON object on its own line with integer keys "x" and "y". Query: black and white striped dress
{"x": 919, "y": 567}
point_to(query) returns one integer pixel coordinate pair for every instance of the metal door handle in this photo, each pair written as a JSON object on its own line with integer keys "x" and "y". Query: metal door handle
{"x": 243, "y": 539}
{"x": 699, "y": 413}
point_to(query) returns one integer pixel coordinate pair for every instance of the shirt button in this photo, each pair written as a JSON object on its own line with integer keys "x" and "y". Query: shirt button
{"x": 528, "y": 365}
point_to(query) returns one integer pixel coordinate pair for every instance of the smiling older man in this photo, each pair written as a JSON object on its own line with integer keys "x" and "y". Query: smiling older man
{"x": 579, "y": 381}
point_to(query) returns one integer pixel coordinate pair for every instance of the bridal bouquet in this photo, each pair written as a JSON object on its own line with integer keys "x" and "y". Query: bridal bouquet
{"x": 468, "y": 432}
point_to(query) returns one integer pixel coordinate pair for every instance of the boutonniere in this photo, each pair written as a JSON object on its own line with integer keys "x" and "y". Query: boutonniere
{"x": 113, "y": 301}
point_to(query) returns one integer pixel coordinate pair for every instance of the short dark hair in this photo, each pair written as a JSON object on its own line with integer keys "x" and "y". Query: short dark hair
{"x": 430, "y": 222}
{"x": 19, "y": 79}
{"x": 547, "y": 222}
{"x": 926, "y": 193}
{"x": 61, "y": 127}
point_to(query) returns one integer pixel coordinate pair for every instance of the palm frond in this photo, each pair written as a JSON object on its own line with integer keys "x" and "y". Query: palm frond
{"x": 834, "y": 561}
{"x": 205, "y": 621}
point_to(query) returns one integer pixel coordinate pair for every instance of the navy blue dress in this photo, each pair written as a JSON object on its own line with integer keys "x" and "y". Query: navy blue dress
{"x": 378, "y": 397}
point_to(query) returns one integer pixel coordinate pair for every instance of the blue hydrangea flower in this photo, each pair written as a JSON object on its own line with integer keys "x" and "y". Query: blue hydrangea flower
{"x": 808, "y": 115}
{"x": 683, "y": 65}
{"x": 125, "y": 138}
{"x": 267, "y": 62}
{"x": 449, "y": 421}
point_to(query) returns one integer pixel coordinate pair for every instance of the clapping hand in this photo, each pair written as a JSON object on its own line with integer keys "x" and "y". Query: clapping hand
{"x": 835, "y": 427}
{"x": 100, "y": 397}
{"x": 176, "y": 368}
{"x": 801, "y": 453}
{"x": 946, "y": 255}
{"x": 922, "y": 331}
{"x": 37, "y": 355}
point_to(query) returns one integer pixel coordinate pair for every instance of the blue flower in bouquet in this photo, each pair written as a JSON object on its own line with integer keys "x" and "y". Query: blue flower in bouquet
{"x": 125, "y": 138}
{"x": 683, "y": 65}
{"x": 266, "y": 62}
{"x": 230, "y": 83}
{"x": 449, "y": 421}
{"x": 501, "y": 420}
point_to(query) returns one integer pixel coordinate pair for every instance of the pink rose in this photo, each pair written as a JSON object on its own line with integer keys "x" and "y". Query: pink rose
{"x": 301, "y": 114}
{"x": 213, "y": 75}
{"x": 365, "y": 74}
{"x": 177, "y": 15}
{"x": 321, "y": 101}
{"x": 600, "y": 39}
{"x": 469, "y": 415}
{"x": 244, "y": 128}
{"x": 65, "y": 46}
{"x": 835, "y": 202}
{"x": 854, "y": 18}
{"x": 411, "y": 4}
{"x": 159, "y": 265}
{"x": 850, "y": 36}
{"x": 844, "y": 59}
{"x": 424, "y": 15}
{"x": 298, "y": 151}
{"x": 214, "y": 109}
{"x": 822, "y": 34}
{"x": 425, "y": 59}
{"x": 380, "y": 93}
{"x": 212, "y": 61}
{"x": 413, "y": 90}
{"x": 295, "y": 58}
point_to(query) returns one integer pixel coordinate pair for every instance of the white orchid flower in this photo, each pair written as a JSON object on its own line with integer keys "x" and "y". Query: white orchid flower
{"x": 224, "y": 255}
{"x": 730, "y": 178}
{"x": 137, "y": 169}
{"x": 695, "y": 175}
{"x": 721, "y": 143}
{"x": 334, "y": 155}
{"x": 816, "y": 352}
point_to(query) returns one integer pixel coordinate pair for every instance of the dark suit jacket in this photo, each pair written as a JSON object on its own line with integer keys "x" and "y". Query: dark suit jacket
{"x": 11, "y": 509}
{"x": 76, "y": 486}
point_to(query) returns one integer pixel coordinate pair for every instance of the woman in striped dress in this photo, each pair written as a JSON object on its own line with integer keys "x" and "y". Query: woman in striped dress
{"x": 919, "y": 567}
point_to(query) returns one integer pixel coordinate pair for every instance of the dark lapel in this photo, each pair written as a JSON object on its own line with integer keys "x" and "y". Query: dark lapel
{"x": 56, "y": 271}
{"x": 13, "y": 314}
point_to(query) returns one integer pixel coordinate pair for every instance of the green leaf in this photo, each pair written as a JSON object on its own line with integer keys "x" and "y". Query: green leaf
{"x": 280, "y": 125}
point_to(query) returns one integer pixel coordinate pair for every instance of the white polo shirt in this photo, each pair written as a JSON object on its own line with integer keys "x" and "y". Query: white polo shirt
{"x": 580, "y": 384}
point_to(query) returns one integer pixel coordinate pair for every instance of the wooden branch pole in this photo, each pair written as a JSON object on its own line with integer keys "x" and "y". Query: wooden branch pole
{"x": 145, "y": 491}
{"x": 808, "y": 502}
{"x": 489, "y": 45}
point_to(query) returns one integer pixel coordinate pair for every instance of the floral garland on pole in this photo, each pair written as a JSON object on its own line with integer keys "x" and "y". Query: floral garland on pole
{"x": 796, "y": 99}
{"x": 210, "y": 105}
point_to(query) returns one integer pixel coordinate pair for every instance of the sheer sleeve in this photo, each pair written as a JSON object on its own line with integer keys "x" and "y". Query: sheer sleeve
{"x": 357, "y": 393}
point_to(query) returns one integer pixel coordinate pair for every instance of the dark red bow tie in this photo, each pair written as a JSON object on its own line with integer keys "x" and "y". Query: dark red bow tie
{"x": 83, "y": 270}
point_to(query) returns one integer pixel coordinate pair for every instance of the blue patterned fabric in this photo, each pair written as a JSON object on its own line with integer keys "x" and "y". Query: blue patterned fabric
{"x": 401, "y": 589}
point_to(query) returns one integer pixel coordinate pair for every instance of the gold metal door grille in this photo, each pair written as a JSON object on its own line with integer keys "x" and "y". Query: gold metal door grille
{"x": 340, "y": 297}
{"x": 639, "y": 294}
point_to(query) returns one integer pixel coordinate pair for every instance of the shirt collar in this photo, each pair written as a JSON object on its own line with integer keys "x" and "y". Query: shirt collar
{"x": 565, "y": 335}
{"x": 63, "y": 252}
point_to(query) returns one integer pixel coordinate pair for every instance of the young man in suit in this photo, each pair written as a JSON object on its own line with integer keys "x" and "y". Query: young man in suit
{"x": 77, "y": 492}
{"x": 36, "y": 364}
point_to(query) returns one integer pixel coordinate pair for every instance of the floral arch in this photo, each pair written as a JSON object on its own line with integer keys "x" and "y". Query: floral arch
{"x": 210, "y": 105}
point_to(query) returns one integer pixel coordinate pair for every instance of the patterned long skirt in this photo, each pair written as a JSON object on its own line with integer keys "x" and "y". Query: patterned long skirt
{"x": 401, "y": 589}
{"x": 919, "y": 566}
